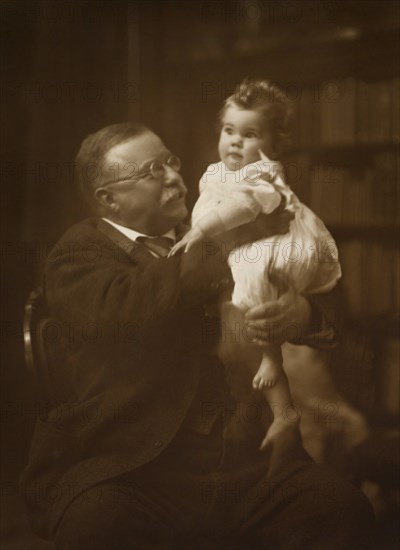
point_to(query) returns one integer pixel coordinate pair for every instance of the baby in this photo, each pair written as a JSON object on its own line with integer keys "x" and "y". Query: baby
{"x": 235, "y": 191}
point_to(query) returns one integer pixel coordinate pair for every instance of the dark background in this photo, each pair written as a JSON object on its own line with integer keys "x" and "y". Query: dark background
{"x": 70, "y": 68}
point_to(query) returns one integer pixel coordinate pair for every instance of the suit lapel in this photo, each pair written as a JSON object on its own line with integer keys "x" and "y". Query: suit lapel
{"x": 133, "y": 250}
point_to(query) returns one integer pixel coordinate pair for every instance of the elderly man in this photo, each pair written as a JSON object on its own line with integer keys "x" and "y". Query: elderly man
{"x": 146, "y": 447}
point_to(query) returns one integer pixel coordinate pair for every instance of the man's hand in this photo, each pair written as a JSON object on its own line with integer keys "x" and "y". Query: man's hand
{"x": 275, "y": 322}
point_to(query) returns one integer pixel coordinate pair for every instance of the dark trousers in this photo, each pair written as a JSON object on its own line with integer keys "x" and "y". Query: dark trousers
{"x": 218, "y": 491}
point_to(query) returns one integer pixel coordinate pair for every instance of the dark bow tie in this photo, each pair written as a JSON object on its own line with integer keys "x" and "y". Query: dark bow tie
{"x": 161, "y": 246}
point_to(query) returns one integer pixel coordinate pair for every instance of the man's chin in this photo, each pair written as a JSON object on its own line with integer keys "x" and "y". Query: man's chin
{"x": 185, "y": 213}
{"x": 178, "y": 211}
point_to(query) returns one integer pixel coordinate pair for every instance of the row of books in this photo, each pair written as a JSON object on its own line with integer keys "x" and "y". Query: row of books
{"x": 348, "y": 111}
{"x": 371, "y": 277}
{"x": 355, "y": 195}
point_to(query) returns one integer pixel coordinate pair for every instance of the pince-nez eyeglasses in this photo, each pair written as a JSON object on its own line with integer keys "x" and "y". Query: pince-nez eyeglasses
{"x": 156, "y": 170}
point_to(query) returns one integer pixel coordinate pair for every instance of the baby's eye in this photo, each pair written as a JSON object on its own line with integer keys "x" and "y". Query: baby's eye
{"x": 228, "y": 131}
{"x": 251, "y": 135}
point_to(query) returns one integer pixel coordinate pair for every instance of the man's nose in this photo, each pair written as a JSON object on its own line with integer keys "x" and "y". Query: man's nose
{"x": 172, "y": 177}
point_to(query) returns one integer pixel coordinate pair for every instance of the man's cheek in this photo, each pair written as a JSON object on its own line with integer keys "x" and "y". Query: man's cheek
{"x": 163, "y": 202}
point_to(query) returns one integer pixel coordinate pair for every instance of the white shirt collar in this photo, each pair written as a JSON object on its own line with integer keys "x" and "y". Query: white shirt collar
{"x": 133, "y": 235}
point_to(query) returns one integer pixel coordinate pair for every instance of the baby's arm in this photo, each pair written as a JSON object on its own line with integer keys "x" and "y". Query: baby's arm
{"x": 247, "y": 200}
{"x": 230, "y": 215}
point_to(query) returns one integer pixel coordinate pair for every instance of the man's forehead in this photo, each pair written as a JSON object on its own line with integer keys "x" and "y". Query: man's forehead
{"x": 138, "y": 149}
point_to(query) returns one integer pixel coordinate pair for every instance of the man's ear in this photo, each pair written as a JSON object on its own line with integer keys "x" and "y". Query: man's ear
{"x": 106, "y": 198}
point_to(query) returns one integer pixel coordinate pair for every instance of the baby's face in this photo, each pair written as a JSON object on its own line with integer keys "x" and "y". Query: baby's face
{"x": 243, "y": 133}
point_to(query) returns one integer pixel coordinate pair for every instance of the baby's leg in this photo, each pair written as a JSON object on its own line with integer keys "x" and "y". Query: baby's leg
{"x": 270, "y": 368}
{"x": 271, "y": 379}
{"x": 284, "y": 412}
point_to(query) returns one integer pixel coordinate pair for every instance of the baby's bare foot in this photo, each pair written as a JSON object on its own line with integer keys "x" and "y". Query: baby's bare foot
{"x": 267, "y": 374}
{"x": 264, "y": 382}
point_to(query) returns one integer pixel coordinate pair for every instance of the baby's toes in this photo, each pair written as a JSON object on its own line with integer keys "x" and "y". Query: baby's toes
{"x": 263, "y": 384}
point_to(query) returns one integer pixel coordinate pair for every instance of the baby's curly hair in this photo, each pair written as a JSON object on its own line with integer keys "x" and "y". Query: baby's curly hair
{"x": 270, "y": 101}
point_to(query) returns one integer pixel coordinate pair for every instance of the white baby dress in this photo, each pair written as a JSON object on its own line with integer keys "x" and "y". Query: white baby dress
{"x": 306, "y": 257}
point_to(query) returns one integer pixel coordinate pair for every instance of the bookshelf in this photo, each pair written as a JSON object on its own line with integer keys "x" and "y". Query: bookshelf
{"x": 347, "y": 158}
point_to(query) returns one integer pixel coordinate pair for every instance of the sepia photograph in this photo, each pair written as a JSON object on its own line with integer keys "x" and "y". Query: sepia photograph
{"x": 200, "y": 262}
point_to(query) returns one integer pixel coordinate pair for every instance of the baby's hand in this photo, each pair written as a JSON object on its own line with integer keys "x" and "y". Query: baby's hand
{"x": 271, "y": 167}
{"x": 187, "y": 242}
{"x": 264, "y": 157}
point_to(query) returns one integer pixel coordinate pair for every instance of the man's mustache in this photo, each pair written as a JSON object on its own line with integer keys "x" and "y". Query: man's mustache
{"x": 174, "y": 194}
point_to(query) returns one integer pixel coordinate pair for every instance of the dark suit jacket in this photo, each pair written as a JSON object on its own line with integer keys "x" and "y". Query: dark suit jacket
{"x": 133, "y": 335}
{"x": 132, "y": 331}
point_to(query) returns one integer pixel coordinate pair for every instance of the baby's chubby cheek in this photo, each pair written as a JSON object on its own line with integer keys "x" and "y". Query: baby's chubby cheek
{"x": 251, "y": 156}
